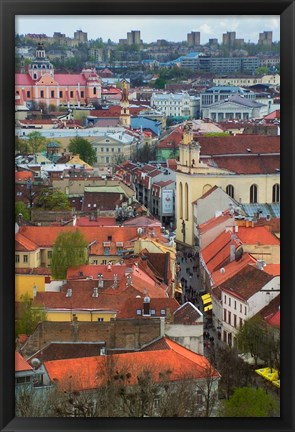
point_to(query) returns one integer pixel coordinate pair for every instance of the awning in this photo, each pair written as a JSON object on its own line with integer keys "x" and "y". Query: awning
{"x": 205, "y": 296}
{"x": 207, "y": 308}
{"x": 206, "y": 301}
{"x": 268, "y": 373}
{"x": 276, "y": 383}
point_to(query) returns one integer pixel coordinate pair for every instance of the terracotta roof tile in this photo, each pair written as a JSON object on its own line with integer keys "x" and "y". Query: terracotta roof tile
{"x": 21, "y": 176}
{"x": 21, "y": 365}
{"x": 231, "y": 269}
{"x": 257, "y": 235}
{"x": 23, "y": 244}
{"x": 129, "y": 309}
{"x": 187, "y": 314}
{"x": 262, "y": 164}
{"x": 238, "y": 144}
{"x": 89, "y": 373}
{"x": 246, "y": 282}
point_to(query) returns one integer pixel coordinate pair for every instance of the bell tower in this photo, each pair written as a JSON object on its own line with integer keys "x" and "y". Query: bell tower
{"x": 40, "y": 65}
{"x": 124, "y": 104}
{"x": 189, "y": 150}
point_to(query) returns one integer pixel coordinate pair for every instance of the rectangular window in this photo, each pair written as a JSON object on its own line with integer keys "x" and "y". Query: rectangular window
{"x": 28, "y": 94}
{"x": 138, "y": 312}
{"x": 49, "y": 254}
{"x": 119, "y": 250}
{"x": 235, "y": 305}
{"x": 229, "y": 301}
{"x": 229, "y": 317}
{"x": 235, "y": 320}
{"x": 107, "y": 250}
{"x": 225, "y": 299}
{"x": 113, "y": 149}
{"x": 25, "y": 258}
{"x": 71, "y": 94}
{"x": 163, "y": 312}
{"x": 60, "y": 94}
{"x": 17, "y": 258}
{"x": 100, "y": 319}
{"x": 82, "y": 94}
{"x": 240, "y": 308}
{"x": 241, "y": 322}
{"x": 108, "y": 149}
{"x": 245, "y": 311}
{"x": 52, "y": 93}
{"x": 42, "y": 93}
{"x": 153, "y": 312}
{"x": 224, "y": 315}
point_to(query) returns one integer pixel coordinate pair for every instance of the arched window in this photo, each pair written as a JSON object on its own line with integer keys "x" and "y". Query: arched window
{"x": 230, "y": 190}
{"x": 94, "y": 90}
{"x": 253, "y": 194}
{"x": 276, "y": 193}
{"x": 180, "y": 201}
{"x": 186, "y": 201}
{"x": 206, "y": 188}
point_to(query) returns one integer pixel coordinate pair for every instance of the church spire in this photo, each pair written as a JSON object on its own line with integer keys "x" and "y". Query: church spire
{"x": 124, "y": 103}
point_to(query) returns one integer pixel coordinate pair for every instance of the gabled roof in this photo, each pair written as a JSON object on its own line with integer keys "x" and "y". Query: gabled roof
{"x": 247, "y": 282}
{"x": 271, "y": 312}
{"x": 90, "y": 372}
{"x": 257, "y": 235}
{"x": 217, "y": 252}
{"x": 187, "y": 314}
{"x": 21, "y": 176}
{"x": 215, "y": 221}
{"x": 21, "y": 365}
{"x": 231, "y": 269}
{"x": 23, "y": 244}
{"x": 238, "y": 144}
{"x": 76, "y": 160}
{"x": 157, "y": 305}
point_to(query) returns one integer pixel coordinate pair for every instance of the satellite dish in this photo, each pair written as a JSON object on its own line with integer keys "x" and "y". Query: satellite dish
{"x": 222, "y": 270}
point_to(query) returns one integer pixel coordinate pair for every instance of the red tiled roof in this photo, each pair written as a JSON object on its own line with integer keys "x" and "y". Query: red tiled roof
{"x": 24, "y": 244}
{"x": 222, "y": 145}
{"x": 257, "y": 235}
{"x": 217, "y": 252}
{"x": 91, "y": 270}
{"x": 273, "y": 115}
{"x": 271, "y": 312}
{"x": 23, "y": 175}
{"x": 231, "y": 269}
{"x": 187, "y": 314}
{"x": 213, "y": 222}
{"x": 248, "y": 281}
{"x": 172, "y": 140}
{"x": 262, "y": 164}
{"x": 21, "y": 365}
{"x": 23, "y": 79}
{"x": 129, "y": 309}
{"x": 273, "y": 269}
{"x": 90, "y": 372}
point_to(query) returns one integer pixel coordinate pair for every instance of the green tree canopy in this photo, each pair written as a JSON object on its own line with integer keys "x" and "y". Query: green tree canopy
{"x": 84, "y": 149}
{"x": 21, "y": 208}
{"x": 260, "y": 340}
{"x": 36, "y": 142}
{"x": 53, "y": 199}
{"x": 69, "y": 250}
{"x": 249, "y": 402}
{"x": 29, "y": 317}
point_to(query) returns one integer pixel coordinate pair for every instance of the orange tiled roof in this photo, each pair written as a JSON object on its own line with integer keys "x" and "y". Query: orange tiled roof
{"x": 21, "y": 176}
{"x": 129, "y": 309}
{"x": 273, "y": 269}
{"x": 253, "y": 235}
{"x": 217, "y": 252}
{"x": 238, "y": 144}
{"x": 21, "y": 365}
{"x": 23, "y": 244}
{"x": 90, "y": 372}
{"x": 213, "y": 222}
{"x": 231, "y": 269}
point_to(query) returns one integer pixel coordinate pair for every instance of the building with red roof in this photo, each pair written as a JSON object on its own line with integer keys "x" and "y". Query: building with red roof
{"x": 24, "y": 373}
{"x": 246, "y": 167}
{"x": 90, "y": 373}
{"x": 42, "y": 85}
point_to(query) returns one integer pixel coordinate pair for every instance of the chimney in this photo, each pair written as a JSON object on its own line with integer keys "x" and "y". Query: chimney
{"x": 100, "y": 280}
{"x": 146, "y": 305}
{"x": 115, "y": 280}
{"x": 232, "y": 252}
{"x": 69, "y": 292}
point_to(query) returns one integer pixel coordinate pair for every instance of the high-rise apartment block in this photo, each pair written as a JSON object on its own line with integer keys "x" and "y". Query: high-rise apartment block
{"x": 133, "y": 37}
{"x": 80, "y": 36}
{"x": 265, "y": 38}
{"x": 229, "y": 38}
{"x": 193, "y": 39}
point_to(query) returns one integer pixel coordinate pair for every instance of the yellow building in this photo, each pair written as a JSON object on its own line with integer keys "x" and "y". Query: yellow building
{"x": 28, "y": 284}
{"x": 247, "y": 168}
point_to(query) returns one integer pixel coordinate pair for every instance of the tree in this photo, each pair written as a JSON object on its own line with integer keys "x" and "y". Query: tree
{"x": 84, "y": 149}
{"x": 249, "y": 402}
{"x": 260, "y": 340}
{"x": 21, "y": 212}
{"x": 21, "y": 146}
{"x": 28, "y": 316}
{"x": 69, "y": 250}
{"x": 53, "y": 199}
{"x": 36, "y": 142}
{"x": 262, "y": 70}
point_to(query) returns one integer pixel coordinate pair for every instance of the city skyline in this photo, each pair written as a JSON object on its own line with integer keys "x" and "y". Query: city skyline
{"x": 171, "y": 28}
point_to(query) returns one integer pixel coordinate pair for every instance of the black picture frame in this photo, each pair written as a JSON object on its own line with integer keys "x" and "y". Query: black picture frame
{"x": 11, "y": 8}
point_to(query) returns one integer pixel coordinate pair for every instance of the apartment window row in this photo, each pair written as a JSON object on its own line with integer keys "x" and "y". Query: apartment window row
{"x": 53, "y": 94}
{"x": 25, "y": 258}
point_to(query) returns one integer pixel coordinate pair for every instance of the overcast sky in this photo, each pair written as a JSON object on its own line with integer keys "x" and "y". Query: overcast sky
{"x": 153, "y": 27}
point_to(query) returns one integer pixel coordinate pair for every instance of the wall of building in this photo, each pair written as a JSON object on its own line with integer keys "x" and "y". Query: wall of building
{"x": 189, "y": 336}
{"x": 24, "y": 284}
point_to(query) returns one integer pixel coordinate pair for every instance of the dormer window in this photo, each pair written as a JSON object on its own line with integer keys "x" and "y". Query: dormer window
{"x": 163, "y": 312}
{"x": 138, "y": 312}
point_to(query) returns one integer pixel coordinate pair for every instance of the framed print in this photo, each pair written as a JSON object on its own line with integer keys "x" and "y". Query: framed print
{"x": 138, "y": 71}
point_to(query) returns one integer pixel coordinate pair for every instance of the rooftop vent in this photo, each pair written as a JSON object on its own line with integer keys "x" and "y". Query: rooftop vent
{"x": 69, "y": 292}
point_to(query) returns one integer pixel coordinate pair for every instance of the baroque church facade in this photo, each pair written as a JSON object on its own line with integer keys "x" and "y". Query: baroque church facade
{"x": 41, "y": 85}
